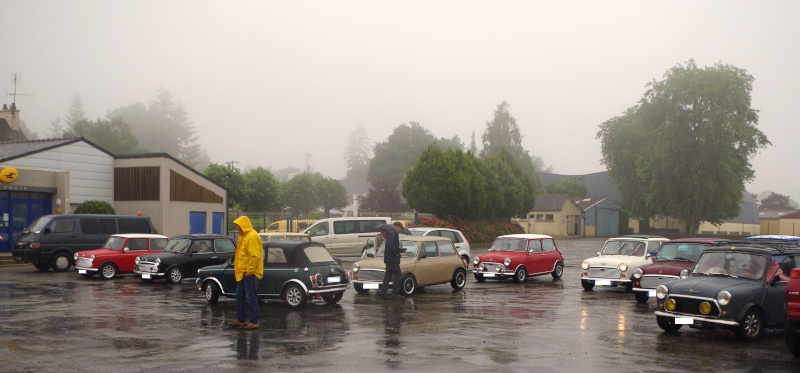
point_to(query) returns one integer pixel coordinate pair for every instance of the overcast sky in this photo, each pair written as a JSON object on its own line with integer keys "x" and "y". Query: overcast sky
{"x": 266, "y": 83}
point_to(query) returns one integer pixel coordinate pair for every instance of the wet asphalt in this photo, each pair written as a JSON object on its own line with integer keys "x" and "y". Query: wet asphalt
{"x": 64, "y": 322}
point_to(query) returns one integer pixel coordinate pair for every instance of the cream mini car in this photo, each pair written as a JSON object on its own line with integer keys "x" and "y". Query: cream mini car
{"x": 615, "y": 263}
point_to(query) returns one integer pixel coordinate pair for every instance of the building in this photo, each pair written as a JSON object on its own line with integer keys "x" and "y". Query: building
{"x": 600, "y": 217}
{"x": 356, "y": 189}
{"x": 555, "y": 215}
{"x": 770, "y": 220}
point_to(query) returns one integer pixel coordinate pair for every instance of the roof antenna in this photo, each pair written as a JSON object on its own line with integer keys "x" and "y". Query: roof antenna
{"x": 16, "y": 79}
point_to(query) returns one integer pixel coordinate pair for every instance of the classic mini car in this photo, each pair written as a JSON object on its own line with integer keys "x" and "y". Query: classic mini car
{"x": 793, "y": 313}
{"x": 519, "y": 256}
{"x": 427, "y": 261}
{"x": 674, "y": 256}
{"x": 294, "y": 271}
{"x": 458, "y": 238}
{"x": 615, "y": 263}
{"x": 184, "y": 255}
{"x": 284, "y": 236}
{"x": 741, "y": 286}
{"x": 118, "y": 254}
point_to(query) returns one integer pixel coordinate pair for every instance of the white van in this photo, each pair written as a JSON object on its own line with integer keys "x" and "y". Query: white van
{"x": 346, "y": 236}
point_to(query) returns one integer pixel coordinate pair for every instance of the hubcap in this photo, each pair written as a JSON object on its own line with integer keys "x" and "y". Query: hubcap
{"x": 175, "y": 275}
{"x": 409, "y": 286}
{"x": 293, "y": 296}
{"x": 751, "y": 324}
{"x": 108, "y": 271}
{"x": 460, "y": 279}
{"x": 209, "y": 291}
{"x": 62, "y": 262}
{"x": 559, "y": 270}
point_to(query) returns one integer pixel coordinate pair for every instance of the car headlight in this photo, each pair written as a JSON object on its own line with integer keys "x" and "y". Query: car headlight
{"x": 585, "y": 265}
{"x": 637, "y": 273}
{"x": 476, "y": 261}
{"x": 75, "y": 256}
{"x": 507, "y": 262}
{"x": 670, "y": 304}
{"x": 356, "y": 267}
{"x": 158, "y": 261}
{"x": 137, "y": 259}
{"x": 661, "y": 292}
{"x": 622, "y": 267}
{"x": 705, "y": 308}
{"x": 481, "y": 267}
{"x": 723, "y": 298}
{"x": 498, "y": 268}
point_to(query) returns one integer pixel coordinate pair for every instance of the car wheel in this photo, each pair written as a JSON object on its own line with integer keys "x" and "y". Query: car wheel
{"x": 108, "y": 271}
{"x": 793, "y": 341}
{"x": 61, "y": 262}
{"x": 521, "y": 274}
{"x": 751, "y": 326}
{"x": 44, "y": 267}
{"x": 294, "y": 296}
{"x": 409, "y": 285}
{"x": 212, "y": 292}
{"x": 360, "y": 289}
{"x": 459, "y": 279}
{"x": 642, "y": 296}
{"x": 479, "y": 278}
{"x": 629, "y": 287}
{"x": 558, "y": 271}
{"x": 668, "y": 324}
{"x": 174, "y": 275}
{"x": 332, "y": 298}
{"x": 587, "y": 284}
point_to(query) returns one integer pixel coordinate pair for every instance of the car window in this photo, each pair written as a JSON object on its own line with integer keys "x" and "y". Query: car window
{"x": 410, "y": 246}
{"x": 158, "y": 243}
{"x": 202, "y": 247}
{"x": 417, "y": 233}
{"x": 317, "y": 254}
{"x": 653, "y": 248}
{"x": 63, "y": 226}
{"x": 447, "y": 249}
{"x": 623, "y": 248}
{"x": 320, "y": 229}
{"x": 344, "y": 227}
{"x": 548, "y": 245}
{"x": 224, "y": 246}
{"x": 369, "y": 226}
{"x": 275, "y": 255}
{"x": 114, "y": 243}
{"x": 535, "y": 246}
{"x": 430, "y": 249}
{"x": 509, "y": 244}
{"x": 451, "y": 235}
{"x": 178, "y": 245}
{"x": 681, "y": 251}
{"x": 137, "y": 244}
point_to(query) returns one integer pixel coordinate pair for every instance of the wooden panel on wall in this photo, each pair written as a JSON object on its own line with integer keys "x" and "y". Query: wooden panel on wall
{"x": 183, "y": 189}
{"x": 137, "y": 183}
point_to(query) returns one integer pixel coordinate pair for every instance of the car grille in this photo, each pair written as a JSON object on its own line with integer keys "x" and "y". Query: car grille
{"x": 83, "y": 262}
{"x": 652, "y": 282}
{"x": 148, "y": 267}
{"x": 691, "y": 306}
{"x": 603, "y": 273}
{"x": 371, "y": 275}
{"x": 490, "y": 267}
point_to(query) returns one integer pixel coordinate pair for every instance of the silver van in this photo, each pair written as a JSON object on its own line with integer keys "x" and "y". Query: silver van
{"x": 346, "y": 236}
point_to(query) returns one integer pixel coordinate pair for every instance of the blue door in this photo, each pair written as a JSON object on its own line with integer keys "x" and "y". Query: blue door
{"x": 197, "y": 222}
{"x": 17, "y": 211}
{"x": 216, "y": 222}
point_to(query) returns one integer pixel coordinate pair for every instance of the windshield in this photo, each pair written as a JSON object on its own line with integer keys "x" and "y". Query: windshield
{"x": 114, "y": 243}
{"x": 178, "y": 246}
{"x": 632, "y": 248}
{"x": 38, "y": 224}
{"x": 410, "y": 246}
{"x": 509, "y": 244}
{"x": 744, "y": 265}
{"x": 680, "y": 251}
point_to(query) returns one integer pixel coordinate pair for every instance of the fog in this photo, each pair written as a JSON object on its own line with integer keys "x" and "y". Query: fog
{"x": 278, "y": 83}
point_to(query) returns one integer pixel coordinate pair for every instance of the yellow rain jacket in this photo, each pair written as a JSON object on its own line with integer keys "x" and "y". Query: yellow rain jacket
{"x": 249, "y": 258}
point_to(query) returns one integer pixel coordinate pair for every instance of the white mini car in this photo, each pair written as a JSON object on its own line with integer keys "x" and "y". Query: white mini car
{"x": 615, "y": 263}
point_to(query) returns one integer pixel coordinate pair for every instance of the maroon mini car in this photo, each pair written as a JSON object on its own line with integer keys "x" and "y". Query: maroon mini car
{"x": 793, "y": 313}
{"x": 118, "y": 254}
{"x": 519, "y": 256}
{"x": 675, "y": 256}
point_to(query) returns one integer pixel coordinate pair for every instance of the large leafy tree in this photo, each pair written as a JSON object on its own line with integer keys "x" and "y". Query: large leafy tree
{"x": 233, "y": 180}
{"x": 113, "y": 135}
{"x": 381, "y": 198}
{"x": 775, "y": 201}
{"x": 332, "y": 195}
{"x": 357, "y": 154}
{"x": 574, "y": 187}
{"x": 300, "y": 193}
{"x": 502, "y": 132}
{"x": 263, "y": 190}
{"x": 696, "y": 133}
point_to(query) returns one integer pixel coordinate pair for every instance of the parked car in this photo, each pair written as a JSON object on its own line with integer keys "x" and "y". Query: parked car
{"x": 615, "y": 263}
{"x": 296, "y": 225}
{"x": 346, "y": 236}
{"x": 118, "y": 254}
{"x": 284, "y": 236}
{"x": 455, "y": 235}
{"x": 184, "y": 255}
{"x": 741, "y": 286}
{"x": 427, "y": 261}
{"x": 294, "y": 271}
{"x": 674, "y": 256}
{"x": 519, "y": 256}
{"x": 793, "y": 312}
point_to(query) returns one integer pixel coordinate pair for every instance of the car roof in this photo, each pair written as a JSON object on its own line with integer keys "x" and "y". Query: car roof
{"x": 423, "y": 238}
{"x": 279, "y": 234}
{"x": 529, "y": 236}
{"x": 294, "y": 250}
{"x": 138, "y": 235}
{"x": 773, "y": 237}
{"x": 200, "y": 236}
{"x": 428, "y": 229}
{"x": 701, "y": 240}
{"x": 642, "y": 237}
{"x": 763, "y": 247}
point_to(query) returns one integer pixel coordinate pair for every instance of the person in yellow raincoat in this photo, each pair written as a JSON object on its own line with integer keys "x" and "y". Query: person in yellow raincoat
{"x": 248, "y": 263}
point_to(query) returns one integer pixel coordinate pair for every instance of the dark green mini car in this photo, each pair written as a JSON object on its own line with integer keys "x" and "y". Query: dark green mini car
{"x": 294, "y": 271}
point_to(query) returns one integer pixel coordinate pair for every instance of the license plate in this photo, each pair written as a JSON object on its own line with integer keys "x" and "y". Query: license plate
{"x": 602, "y": 282}
{"x": 488, "y": 275}
{"x": 18, "y": 258}
{"x": 371, "y": 286}
{"x": 334, "y": 279}
{"x": 651, "y": 293}
{"x": 684, "y": 320}
{"x": 82, "y": 271}
{"x": 146, "y": 277}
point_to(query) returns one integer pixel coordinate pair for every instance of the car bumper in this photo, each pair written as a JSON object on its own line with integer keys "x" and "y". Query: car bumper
{"x": 329, "y": 289}
{"x": 696, "y": 320}
{"x": 26, "y": 255}
{"x": 85, "y": 269}
{"x": 606, "y": 281}
{"x": 493, "y": 274}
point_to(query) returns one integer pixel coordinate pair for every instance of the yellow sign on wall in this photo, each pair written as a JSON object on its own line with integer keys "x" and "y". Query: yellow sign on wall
{"x": 8, "y": 174}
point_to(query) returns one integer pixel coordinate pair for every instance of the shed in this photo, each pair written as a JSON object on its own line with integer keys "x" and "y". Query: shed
{"x": 600, "y": 217}
{"x": 555, "y": 215}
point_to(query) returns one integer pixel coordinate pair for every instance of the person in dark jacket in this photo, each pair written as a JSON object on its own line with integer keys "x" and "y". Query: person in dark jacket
{"x": 391, "y": 257}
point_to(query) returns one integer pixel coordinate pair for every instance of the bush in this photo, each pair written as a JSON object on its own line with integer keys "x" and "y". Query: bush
{"x": 95, "y": 207}
{"x": 476, "y": 231}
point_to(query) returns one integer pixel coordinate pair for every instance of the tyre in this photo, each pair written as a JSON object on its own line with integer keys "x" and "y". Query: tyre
{"x": 558, "y": 271}
{"x": 44, "y": 267}
{"x": 751, "y": 327}
{"x": 479, "y": 278}
{"x": 629, "y": 287}
{"x": 521, "y": 274}
{"x": 668, "y": 324}
{"x": 360, "y": 289}
{"x": 409, "y": 285}
{"x": 294, "y": 296}
{"x": 174, "y": 275}
{"x": 332, "y": 298}
{"x": 107, "y": 271}
{"x": 641, "y": 296}
{"x": 587, "y": 284}
{"x": 61, "y": 262}
{"x": 793, "y": 341}
{"x": 212, "y": 292}
{"x": 459, "y": 279}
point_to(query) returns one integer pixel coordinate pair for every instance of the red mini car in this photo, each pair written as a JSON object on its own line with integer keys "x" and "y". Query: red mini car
{"x": 118, "y": 254}
{"x": 793, "y": 313}
{"x": 519, "y": 256}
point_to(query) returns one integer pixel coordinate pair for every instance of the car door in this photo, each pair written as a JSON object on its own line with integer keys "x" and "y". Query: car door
{"x": 224, "y": 250}
{"x": 428, "y": 268}
{"x": 550, "y": 255}
{"x": 135, "y": 247}
{"x": 201, "y": 254}
{"x": 344, "y": 240}
{"x": 775, "y": 299}
{"x": 321, "y": 232}
{"x": 535, "y": 261}
{"x": 276, "y": 271}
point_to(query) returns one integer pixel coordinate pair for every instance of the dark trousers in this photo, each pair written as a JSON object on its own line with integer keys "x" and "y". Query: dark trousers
{"x": 392, "y": 272}
{"x": 247, "y": 299}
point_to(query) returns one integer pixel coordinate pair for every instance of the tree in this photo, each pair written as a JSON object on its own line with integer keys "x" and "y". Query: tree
{"x": 95, "y": 207}
{"x": 263, "y": 190}
{"x": 382, "y": 198}
{"x": 300, "y": 193}
{"x": 473, "y": 147}
{"x": 113, "y": 135}
{"x": 233, "y": 180}
{"x": 573, "y": 187}
{"x": 332, "y": 195}
{"x": 357, "y": 154}
{"x": 76, "y": 113}
{"x": 693, "y": 135}
{"x": 776, "y": 201}
{"x": 56, "y": 129}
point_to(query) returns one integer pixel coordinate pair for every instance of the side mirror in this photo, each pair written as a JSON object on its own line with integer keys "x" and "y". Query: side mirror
{"x": 46, "y": 230}
{"x": 530, "y": 251}
{"x": 598, "y": 253}
{"x": 370, "y": 255}
{"x": 125, "y": 250}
